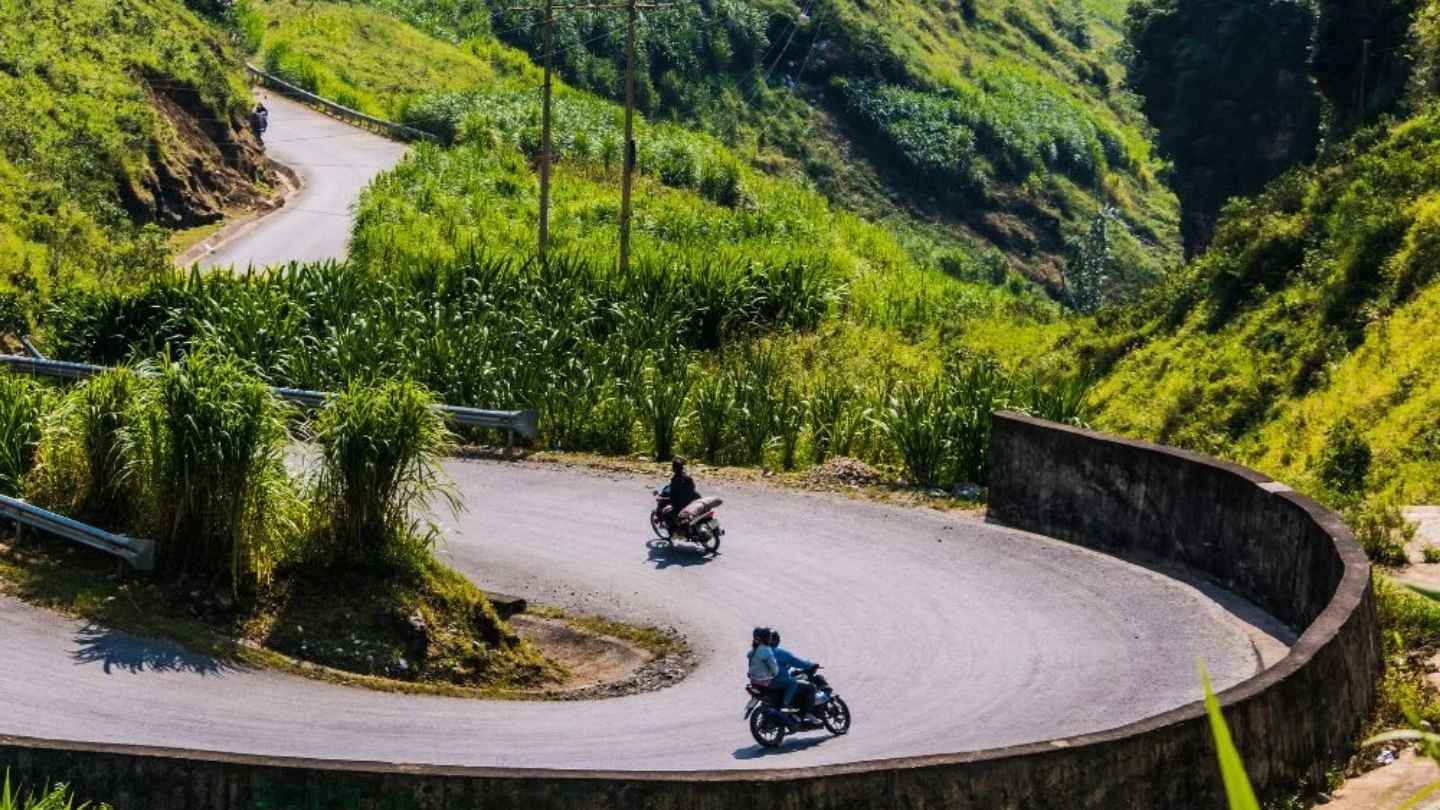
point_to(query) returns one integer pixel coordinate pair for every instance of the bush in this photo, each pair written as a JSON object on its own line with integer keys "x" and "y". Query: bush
{"x": 1431, "y": 554}
{"x": 1345, "y": 459}
{"x": 380, "y": 448}
{"x": 91, "y": 461}
{"x": 55, "y": 797}
{"x": 831, "y": 401}
{"x": 713, "y": 405}
{"x": 720, "y": 182}
{"x": 221, "y": 504}
{"x": 664, "y": 382}
{"x": 1382, "y": 530}
{"x": 22, "y": 409}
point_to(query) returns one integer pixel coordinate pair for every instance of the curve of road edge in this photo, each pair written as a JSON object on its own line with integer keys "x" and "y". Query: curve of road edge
{"x": 942, "y": 632}
{"x": 945, "y": 633}
{"x": 335, "y": 162}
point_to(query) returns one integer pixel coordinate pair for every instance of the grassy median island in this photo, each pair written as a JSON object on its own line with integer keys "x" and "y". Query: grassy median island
{"x": 328, "y": 571}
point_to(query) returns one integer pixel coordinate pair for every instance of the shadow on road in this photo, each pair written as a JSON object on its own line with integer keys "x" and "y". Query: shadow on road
{"x": 788, "y": 747}
{"x": 119, "y": 651}
{"x": 664, "y": 555}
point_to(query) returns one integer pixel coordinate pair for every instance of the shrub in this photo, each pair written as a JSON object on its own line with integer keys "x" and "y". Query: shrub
{"x": 755, "y": 372}
{"x": 713, "y": 405}
{"x": 221, "y": 504}
{"x": 91, "y": 461}
{"x": 664, "y": 382}
{"x": 915, "y": 421}
{"x": 22, "y": 408}
{"x": 1431, "y": 553}
{"x": 1345, "y": 459}
{"x": 1382, "y": 530}
{"x": 380, "y": 448}
{"x": 720, "y": 182}
{"x": 831, "y": 400}
{"x": 789, "y": 420}
{"x": 55, "y": 797}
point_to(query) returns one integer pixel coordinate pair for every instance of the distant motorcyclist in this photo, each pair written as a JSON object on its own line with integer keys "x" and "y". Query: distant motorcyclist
{"x": 261, "y": 118}
{"x": 681, "y": 492}
{"x": 763, "y": 666}
{"x": 789, "y": 664}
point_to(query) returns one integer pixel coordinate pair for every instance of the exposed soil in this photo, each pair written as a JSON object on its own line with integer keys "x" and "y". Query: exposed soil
{"x": 215, "y": 163}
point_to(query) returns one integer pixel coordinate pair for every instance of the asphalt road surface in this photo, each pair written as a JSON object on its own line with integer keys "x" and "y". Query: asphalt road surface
{"x": 942, "y": 632}
{"x": 335, "y": 162}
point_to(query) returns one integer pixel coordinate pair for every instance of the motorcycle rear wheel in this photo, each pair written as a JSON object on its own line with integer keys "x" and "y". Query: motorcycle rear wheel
{"x": 837, "y": 717}
{"x": 709, "y": 538}
{"x": 766, "y": 730}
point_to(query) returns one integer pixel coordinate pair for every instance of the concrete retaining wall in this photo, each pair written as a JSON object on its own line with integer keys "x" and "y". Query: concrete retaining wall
{"x": 1275, "y": 547}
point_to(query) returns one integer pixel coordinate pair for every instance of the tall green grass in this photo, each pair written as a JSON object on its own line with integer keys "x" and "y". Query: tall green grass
{"x": 23, "y": 404}
{"x": 222, "y": 504}
{"x": 91, "y": 459}
{"x": 380, "y": 447}
{"x": 55, "y": 797}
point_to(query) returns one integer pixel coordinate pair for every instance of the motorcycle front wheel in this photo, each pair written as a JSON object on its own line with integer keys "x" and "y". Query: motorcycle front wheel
{"x": 837, "y": 717}
{"x": 766, "y": 730}
{"x": 657, "y": 525}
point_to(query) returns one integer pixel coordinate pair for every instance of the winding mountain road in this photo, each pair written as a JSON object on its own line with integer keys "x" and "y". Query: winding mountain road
{"x": 335, "y": 162}
{"x": 944, "y": 634}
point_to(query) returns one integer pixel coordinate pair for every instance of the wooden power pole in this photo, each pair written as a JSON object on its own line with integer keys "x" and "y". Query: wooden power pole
{"x": 545, "y": 132}
{"x": 629, "y": 167}
{"x": 632, "y": 9}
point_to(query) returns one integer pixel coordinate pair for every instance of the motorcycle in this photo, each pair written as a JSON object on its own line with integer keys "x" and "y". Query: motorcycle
{"x": 769, "y": 725}
{"x": 696, "y": 523}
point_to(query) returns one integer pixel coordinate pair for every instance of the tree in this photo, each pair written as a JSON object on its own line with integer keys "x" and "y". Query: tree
{"x": 1089, "y": 266}
{"x": 1226, "y": 84}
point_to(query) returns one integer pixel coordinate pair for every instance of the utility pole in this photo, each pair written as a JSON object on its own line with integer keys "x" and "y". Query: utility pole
{"x": 545, "y": 133}
{"x": 632, "y": 9}
{"x": 629, "y": 167}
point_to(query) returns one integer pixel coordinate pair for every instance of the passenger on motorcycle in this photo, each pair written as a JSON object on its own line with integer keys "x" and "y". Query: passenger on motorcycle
{"x": 763, "y": 667}
{"x": 681, "y": 492}
{"x": 789, "y": 664}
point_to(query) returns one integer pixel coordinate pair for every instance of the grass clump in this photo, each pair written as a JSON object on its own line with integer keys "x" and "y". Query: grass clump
{"x": 222, "y": 502}
{"x": 55, "y": 797}
{"x": 23, "y": 403}
{"x": 92, "y": 459}
{"x": 380, "y": 447}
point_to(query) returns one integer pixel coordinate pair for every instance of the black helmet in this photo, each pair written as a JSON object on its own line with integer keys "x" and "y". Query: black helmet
{"x": 774, "y": 638}
{"x": 677, "y": 465}
{"x": 761, "y": 635}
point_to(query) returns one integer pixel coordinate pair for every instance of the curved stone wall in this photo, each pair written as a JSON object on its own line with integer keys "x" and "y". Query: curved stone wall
{"x": 1271, "y": 545}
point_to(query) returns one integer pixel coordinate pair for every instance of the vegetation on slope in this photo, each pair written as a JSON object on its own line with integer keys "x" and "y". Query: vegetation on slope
{"x": 1306, "y": 326}
{"x": 1027, "y": 188}
{"x": 145, "y": 124}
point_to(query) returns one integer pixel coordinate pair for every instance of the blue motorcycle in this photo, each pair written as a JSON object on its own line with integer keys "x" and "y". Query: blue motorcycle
{"x": 820, "y": 708}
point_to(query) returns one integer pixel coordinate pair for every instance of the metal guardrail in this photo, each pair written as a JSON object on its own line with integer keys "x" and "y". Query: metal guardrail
{"x": 399, "y": 132}
{"x": 140, "y": 554}
{"x": 524, "y": 422}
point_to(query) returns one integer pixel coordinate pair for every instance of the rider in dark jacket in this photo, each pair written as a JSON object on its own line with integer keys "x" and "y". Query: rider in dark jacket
{"x": 682, "y": 490}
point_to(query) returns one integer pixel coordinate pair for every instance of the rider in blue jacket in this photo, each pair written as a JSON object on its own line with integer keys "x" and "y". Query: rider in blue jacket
{"x": 789, "y": 663}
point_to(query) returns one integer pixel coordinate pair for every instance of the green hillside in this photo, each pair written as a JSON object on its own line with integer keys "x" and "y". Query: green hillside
{"x": 1303, "y": 341}
{"x": 1002, "y": 127}
{"x": 144, "y": 124}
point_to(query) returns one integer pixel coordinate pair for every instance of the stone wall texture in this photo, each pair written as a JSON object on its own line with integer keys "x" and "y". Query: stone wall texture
{"x": 1271, "y": 545}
